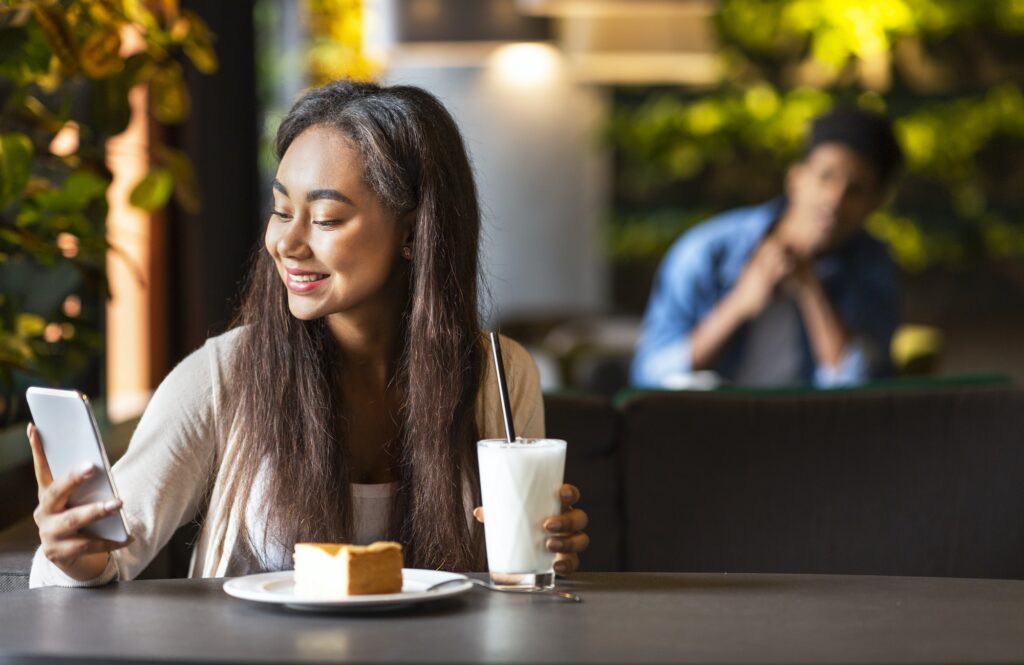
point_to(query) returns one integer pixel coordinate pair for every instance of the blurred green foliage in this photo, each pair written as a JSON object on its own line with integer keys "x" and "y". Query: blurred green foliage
{"x": 948, "y": 72}
{"x": 330, "y": 47}
{"x": 336, "y": 49}
{"x": 66, "y": 70}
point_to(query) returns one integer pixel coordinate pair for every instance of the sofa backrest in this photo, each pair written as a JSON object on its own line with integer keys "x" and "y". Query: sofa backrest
{"x": 927, "y": 482}
{"x": 591, "y": 425}
{"x": 921, "y": 482}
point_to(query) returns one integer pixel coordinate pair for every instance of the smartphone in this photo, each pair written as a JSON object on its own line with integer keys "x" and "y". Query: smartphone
{"x": 70, "y": 439}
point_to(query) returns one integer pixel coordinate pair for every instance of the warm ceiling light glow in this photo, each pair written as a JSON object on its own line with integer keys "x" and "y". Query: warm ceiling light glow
{"x": 580, "y": 8}
{"x": 646, "y": 68}
{"x": 525, "y": 65}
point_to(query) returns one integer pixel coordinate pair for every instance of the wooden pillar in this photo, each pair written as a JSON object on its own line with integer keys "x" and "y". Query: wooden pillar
{"x": 136, "y": 335}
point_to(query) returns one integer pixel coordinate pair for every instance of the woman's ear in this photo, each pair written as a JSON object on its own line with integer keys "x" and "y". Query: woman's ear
{"x": 407, "y": 224}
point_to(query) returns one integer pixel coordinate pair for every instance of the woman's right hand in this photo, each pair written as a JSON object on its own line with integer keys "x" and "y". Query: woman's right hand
{"x": 80, "y": 556}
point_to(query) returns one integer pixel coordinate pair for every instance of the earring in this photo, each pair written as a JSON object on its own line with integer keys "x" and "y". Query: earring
{"x": 407, "y": 252}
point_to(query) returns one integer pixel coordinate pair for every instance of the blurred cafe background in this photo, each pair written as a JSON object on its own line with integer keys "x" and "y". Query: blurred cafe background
{"x": 135, "y": 161}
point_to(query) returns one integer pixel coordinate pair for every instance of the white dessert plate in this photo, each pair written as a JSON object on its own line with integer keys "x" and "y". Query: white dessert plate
{"x": 279, "y": 588}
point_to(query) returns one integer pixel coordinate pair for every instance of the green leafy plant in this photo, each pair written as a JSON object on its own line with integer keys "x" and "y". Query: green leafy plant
{"x": 67, "y": 69}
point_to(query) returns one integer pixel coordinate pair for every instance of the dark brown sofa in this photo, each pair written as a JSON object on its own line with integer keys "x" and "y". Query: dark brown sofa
{"x": 928, "y": 481}
{"x": 922, "y": 482}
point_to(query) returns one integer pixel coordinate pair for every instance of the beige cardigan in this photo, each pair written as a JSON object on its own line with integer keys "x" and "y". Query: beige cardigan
{"x": 173, "y": 457}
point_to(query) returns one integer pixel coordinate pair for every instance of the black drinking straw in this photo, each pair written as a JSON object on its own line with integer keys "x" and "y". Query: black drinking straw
{"x": 506, "y": 409}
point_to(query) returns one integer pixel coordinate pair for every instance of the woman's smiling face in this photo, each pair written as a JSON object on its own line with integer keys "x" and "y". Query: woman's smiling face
{"x": 337, "y": 248}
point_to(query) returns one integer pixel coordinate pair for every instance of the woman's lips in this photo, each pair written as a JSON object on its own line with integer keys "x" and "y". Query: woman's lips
{"x": 301, "y": 281}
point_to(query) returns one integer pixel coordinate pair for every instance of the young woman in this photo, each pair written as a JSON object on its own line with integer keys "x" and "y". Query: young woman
{"x": 346, "y": 403}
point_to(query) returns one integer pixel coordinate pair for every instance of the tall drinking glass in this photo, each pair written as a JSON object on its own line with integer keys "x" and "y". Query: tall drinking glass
{"x": 519, "y": 483}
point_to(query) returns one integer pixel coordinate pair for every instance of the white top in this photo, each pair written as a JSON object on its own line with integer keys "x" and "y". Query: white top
{"x": 176, "y": 454}
{"x": 371, "y": 514}
{"x": 372, "y": 509}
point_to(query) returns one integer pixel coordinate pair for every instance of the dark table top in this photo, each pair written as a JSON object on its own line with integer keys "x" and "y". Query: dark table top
{"x": 625, "y": 618}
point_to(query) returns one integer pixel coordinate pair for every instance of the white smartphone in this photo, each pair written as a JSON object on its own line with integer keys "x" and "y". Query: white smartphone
{"x": 70, "y": 439}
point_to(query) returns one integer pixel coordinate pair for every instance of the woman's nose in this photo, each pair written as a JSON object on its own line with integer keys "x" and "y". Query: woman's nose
{"x": 294, "y": 241}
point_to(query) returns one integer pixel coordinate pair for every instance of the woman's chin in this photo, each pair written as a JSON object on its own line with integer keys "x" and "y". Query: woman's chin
{"x": 304, "y": 313}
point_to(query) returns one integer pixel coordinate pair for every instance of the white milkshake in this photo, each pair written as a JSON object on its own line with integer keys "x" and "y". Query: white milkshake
{"x": 519, "y": 483}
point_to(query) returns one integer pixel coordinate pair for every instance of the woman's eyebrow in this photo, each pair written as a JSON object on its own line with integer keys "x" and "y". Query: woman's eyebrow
{"x": 333, "y": 194}
{"x": 316, "y": 194}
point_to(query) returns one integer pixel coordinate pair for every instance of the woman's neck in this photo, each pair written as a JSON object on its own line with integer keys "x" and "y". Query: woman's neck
{"x": 369, "y": 352}
{"x": 371, "y": 403}
{"x": 368, "y": 337}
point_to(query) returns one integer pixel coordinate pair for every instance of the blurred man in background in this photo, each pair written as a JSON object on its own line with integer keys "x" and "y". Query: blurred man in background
{"x": 789, "y": 292}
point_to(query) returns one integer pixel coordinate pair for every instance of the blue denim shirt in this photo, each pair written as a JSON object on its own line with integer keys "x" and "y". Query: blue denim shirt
{"x": 860, "y": 279}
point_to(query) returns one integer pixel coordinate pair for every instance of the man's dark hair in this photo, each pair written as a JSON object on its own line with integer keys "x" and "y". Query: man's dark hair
{"x": 868, "y": 134}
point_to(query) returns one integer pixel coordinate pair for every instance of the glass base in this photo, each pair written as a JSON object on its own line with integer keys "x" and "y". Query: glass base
{"x": 525, "y": 582}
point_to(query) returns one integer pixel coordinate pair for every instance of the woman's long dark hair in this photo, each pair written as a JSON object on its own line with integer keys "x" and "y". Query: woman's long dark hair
{"x": 285, "y": 393}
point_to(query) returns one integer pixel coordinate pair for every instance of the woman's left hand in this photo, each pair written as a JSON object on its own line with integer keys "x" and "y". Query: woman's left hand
{"x": 565, "y": 531}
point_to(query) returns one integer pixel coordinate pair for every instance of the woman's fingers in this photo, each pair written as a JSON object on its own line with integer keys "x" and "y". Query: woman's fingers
{"x": 70, "y": 549}
{"x": 568, "y": 539}
{"x": 71, "y": 521}
{"x": 54, "y": 498}
{"x": 573, "y": 544}
{"x": 567, "y": 530}
{"x": 59, "y": 526}
{"x": 566, "y": 564}
{"x": 569, "y": 495}
{"x": 569, "y": 521}
{"x": 42, "y": 467}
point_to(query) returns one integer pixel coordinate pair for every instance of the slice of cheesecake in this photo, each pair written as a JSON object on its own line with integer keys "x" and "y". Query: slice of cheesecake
{"x": 325, "y": 570}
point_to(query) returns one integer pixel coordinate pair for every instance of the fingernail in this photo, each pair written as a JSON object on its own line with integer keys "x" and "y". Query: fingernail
{"x": 113, "y": 504}
{"x": 566, "y": 495}
{"x": 555, "y": 545}
{"x": 86, "y": 469}
{"x": 561, "y": 568}
{"x": 28, "y": 430}
{"x": 555, "y": 527}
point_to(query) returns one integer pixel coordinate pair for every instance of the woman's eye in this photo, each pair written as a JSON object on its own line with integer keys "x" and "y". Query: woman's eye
{"x": 283, "y": 215}
{"x": 327, "y": 222}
